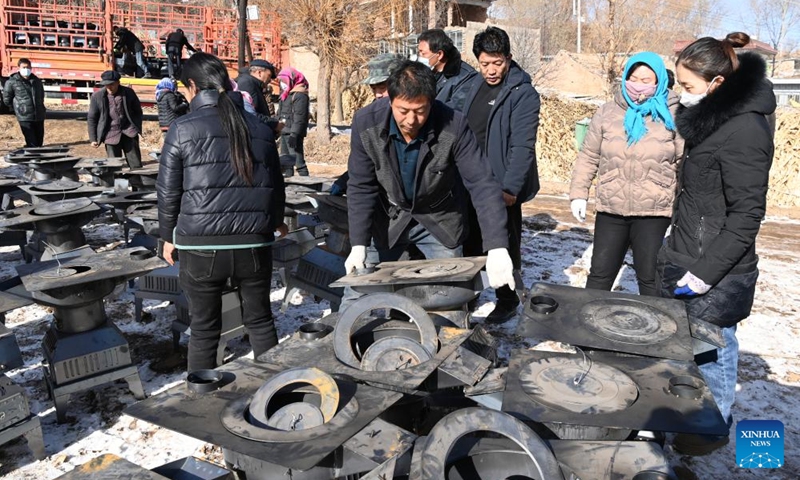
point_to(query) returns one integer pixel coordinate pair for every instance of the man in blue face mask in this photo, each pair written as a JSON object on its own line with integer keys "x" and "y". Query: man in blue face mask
{"x": 24, "y": 93}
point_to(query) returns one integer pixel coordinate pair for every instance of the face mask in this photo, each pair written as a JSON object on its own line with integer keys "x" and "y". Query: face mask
{"x": 425, "y": 61}
{"x": 692, "y": 99}
{"x": 25, "y": 72}
{"x": 639, "y": 92}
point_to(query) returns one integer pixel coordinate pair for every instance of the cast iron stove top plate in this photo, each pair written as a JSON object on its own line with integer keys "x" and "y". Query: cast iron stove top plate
{"x": 9, "y": 181}
{"x": 37, "y": 161}
{"x": 10, "y": 302}
{"x": 315, "y": 183}
{"x": 619, "y": 391}
{"x": 61, "y": 189}
{"x": 439, "y": 271}
{"x": 656, "y": 327}
{"x": 23, "y": 218}
{"x": 296, "y": 352}
{"x": 125, "y": 198}
{"x": 200, "y": 416}
{"x": 113, "y": 162}
{"x": 127, "y": 262}
{"x": 147, "y": 171}
{"x": 109, "y": 466}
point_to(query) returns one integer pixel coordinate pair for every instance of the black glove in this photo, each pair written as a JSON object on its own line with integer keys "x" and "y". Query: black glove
{"x": 292, "y": 141}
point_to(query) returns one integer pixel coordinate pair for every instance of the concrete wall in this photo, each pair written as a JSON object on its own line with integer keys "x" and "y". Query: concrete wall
{"x": 307, "y": 63}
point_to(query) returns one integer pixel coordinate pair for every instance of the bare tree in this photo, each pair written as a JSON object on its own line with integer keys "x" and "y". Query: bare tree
{"x": 553, "y": 19}
{"x": 777, "y": 18}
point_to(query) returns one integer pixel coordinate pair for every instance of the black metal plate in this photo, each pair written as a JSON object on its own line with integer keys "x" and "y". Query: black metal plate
{"x": 109, "y": 466}
{"x": 656, "y": 327}
{"x": 315, "y": 183}
{"x": 656, "y": 408}
{"x": 122, "y": 199}
{"x": 112, "y": 162}
{"x": 24, "y": 218}
{"x": 198, "y": 416}
{"x": 60, "y": 190}
{"x": 10, "y": 302}
{"x": 296, "y": 352}
{"x": 116, "y": 263}
{"x": 417, "y": 272}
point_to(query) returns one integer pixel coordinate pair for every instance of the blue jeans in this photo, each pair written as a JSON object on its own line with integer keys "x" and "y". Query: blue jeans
{"x": 414, "y": 235}
{"x": 720, "y": 375}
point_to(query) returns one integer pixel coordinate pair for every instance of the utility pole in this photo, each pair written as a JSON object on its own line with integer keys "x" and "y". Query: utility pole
{"x": 576, "y": 12}
{"x": 242, "y": 31}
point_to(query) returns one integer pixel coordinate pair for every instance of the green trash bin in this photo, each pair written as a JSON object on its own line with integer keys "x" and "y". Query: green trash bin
{"x": 581, "y": 127}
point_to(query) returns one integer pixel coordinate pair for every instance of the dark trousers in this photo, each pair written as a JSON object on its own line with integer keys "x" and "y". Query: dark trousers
{"x": 173, "y": 62}
{"x": 473, "y": 246}
{"x": 204, "y": 275}
{"x": 33, "y": 133}
{"x": 127, "y": 147}
{"x": 613, "y": 234}
{"x": 297, "y": 153}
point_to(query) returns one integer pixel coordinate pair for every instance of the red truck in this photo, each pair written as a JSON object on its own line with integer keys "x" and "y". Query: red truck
{"x": 70, "y": 42}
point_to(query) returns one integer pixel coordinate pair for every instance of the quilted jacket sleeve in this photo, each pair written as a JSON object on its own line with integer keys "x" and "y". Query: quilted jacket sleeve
{"x": 169, "y": 186}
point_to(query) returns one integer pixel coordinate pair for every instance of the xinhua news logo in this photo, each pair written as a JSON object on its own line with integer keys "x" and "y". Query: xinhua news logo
{"x": 759, "y": 444}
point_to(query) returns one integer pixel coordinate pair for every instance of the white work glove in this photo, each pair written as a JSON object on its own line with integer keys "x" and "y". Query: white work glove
{"x": 690, "y": 286}
{"x": 578, "y": 207}
{"x": 499, "y": 268}
{"x": 356, "y": 259}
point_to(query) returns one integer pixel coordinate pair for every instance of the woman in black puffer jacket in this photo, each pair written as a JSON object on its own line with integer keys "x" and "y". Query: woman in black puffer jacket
{"x": 709, "y": 261}
{"x": 220, "y": 199}
{"x": 171, "y": 104}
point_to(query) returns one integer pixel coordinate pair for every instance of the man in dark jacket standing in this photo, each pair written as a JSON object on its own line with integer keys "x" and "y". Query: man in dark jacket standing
{"x": 115, "y": 118}
{"x": 502, "y": 109}
{"x": 260, "y": 73}
{"x": 25, "y": 94}
{"x": 436, "y": 50}
{"x": 412, "y": 162}
{"x": 175, "y": 43}
{"x": 127, "y": 43}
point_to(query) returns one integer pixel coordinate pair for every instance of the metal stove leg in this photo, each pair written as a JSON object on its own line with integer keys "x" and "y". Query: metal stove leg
{"x": 61, "y": 402}
{"x": 176, "y": 341}
{"x": 221, "y": 351}
{"x": 135, "y": 386}
{"x": 137, "y": 309}
{"x": 36, "y": 442}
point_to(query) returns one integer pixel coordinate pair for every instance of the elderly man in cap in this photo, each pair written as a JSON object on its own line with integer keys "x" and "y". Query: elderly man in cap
{"x": 115, "y": 118}
{"x": 379, "y": 68}
{"x": 253, "y": 81}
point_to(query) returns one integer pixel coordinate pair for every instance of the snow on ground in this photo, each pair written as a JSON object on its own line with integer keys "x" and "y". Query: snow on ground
{"x": 554, "y": 250}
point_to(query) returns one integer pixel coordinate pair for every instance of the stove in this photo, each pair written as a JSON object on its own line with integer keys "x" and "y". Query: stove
{"x": 607, "y": 390}
{"x": 141, "y": 178}
{"x": 642, "y": 325}
{"x": 58, "y": 224}
{"x": 103, "y": 170}
{"x": 395, "y": 354}
{"x": 16, "y": 419}
{"x": 9, "y": 189}
{"x": 317, "y": 184}
{"x": 83, "y": 348}
{"x": 438, "y": 285}
{"x": 316, "y": 271}
{"x": 143, "y": 219}
{"x": 269, "y": 423}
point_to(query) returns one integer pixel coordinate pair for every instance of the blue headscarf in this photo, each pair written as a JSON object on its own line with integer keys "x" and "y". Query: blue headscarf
{"x": 655, "y": 106}
{"x": 163, "y": 86}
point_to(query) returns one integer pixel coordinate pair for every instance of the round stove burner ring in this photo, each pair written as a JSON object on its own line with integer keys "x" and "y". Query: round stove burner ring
{"x": 389, "y": 354}
{"x": 321, "y": 381}
{"x": 234, "y": 419}
{"x": 63, "y": 272}
{"x": 62, "y": 207}
{"x": 441, "y": 269}
{"x": 562, "y": 384}
{"x": 296, "y": 416}
{"x": 58, "y": 186}
{"x": 627, "y": 321}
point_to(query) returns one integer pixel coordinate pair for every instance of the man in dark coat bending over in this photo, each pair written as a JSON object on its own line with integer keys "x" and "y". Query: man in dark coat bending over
{"x": 412, "y": 162}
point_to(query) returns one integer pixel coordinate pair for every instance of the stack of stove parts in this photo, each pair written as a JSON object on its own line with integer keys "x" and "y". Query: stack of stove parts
{"x": 9, "y": 187}
{"x": 441, "y": 286}
{"x": 46, "y": 163}
{"x": 103, "y": 170}
{"x": 121, "y": 203}
{"x": 287, "y": 251}
{"x": 298, "y": 205}
{"x": 83, "y": 348}
{"x": 56, "y": 225}
{"x": 16, "y": 419}
{"x": 320, "y": 267}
